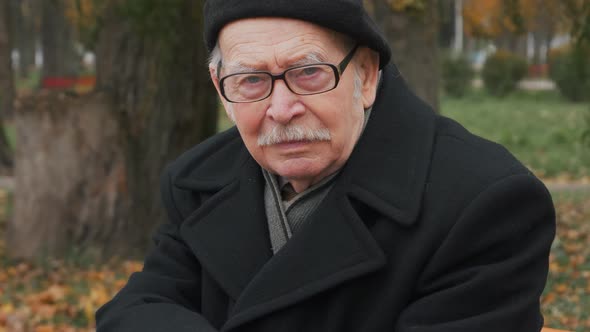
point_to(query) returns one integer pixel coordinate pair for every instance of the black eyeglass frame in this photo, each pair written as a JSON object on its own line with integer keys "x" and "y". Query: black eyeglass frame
{"x": 338, "y": 71}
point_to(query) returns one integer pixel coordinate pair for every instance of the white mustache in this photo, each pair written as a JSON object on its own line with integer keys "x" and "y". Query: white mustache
{"x": 290, "y": 133}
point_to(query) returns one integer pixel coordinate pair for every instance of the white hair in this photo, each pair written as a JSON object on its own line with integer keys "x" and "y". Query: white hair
{"x": 215, "y": 58}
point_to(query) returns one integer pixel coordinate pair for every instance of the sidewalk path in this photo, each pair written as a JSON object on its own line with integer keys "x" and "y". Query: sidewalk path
{"x": 568, "y": 187}
{"x": 537, "y": 84}
{"x": 534, "y": 84}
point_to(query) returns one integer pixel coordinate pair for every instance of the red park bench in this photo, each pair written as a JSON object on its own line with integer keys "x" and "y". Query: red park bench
{"x": 82, "y": 83}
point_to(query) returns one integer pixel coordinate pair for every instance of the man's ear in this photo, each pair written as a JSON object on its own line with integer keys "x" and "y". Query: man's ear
{"x": 215, "y": 79}
{"x": 368, "y": 68}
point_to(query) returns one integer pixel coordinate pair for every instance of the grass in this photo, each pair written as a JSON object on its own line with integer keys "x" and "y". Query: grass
{"x": 541, "y": 129}
{"x": 10, "y": 133}
{"x": 30, "y": 83}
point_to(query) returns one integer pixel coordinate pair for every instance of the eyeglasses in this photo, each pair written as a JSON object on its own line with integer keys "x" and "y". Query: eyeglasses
{"x": 303, "y": 80}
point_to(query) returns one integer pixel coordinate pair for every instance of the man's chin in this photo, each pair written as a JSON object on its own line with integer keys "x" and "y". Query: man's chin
{"x": 298, "y": 172}
{"x": 304, "y": 173}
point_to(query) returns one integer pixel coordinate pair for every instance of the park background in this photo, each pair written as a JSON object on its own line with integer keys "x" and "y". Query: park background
{"x": 96, "y": 96}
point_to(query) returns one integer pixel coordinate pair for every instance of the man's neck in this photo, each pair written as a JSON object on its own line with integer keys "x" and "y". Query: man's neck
{"x": 300, "y": 185}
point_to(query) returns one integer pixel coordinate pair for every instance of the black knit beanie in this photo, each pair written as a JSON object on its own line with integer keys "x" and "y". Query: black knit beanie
{"x": 345, "y": 16}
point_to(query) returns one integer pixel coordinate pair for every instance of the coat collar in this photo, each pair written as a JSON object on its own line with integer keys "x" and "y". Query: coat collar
{"x": 389, "y": 167}
{"x": 228, "y": 233}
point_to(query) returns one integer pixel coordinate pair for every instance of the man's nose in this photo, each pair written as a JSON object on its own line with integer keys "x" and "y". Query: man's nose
{"x": 285, "y": 105}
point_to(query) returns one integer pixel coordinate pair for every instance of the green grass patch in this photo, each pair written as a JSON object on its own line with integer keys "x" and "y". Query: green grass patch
{"x": 29, "y": 83}
{"x": 576, "y": 195}
{"x": 10, "y": 133}
{"x": 541, "y": 129}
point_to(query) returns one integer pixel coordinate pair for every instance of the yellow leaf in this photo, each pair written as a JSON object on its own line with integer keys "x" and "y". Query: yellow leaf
{"x": 46, "y": 311}
{"x": 99, "y": 295}
{"x": 133, "y": 266}
{"x": 561, "y": 288}
{"x": 549, "y": 298}
{"x": 53, "y": 294}
{"x": 44, "y": 328}
{"x": 7, "y": 308}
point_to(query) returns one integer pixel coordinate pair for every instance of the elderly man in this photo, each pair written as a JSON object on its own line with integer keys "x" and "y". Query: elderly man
{"x": 340, "y": 201}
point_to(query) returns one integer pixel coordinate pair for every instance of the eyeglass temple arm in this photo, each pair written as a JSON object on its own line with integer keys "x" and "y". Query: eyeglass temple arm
{"x": 218, "y": 69}
{"x": 347, "y": 59}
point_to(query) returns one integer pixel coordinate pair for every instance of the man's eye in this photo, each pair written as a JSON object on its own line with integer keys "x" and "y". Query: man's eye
{"x": 252, "y": 79}
{"x": 308, "y": 71}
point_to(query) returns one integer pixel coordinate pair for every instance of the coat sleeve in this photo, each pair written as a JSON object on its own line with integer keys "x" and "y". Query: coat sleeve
{"x": 490, "y": 270}
{"x": 165, "y": 295}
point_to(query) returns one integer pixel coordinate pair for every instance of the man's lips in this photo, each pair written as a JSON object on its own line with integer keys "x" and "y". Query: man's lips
{"x": 292, "y": 145}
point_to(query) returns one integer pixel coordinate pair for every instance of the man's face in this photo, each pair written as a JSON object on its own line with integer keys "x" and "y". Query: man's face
{"x": 275, "y": 45}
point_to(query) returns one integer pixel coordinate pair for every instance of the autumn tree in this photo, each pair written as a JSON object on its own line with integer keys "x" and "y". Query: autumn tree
{"x": 507, "y": 23}
{"x": 25, "y": 32}
{"x": 544, "y": 21}
{"x": 60, "y": 57}
{"x": 95, "y": 187}
{"x": 577, "y": 13}
{"x": 411, "y": 27}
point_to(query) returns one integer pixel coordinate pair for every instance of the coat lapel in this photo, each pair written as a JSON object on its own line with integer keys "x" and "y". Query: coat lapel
{"x": 389, "y": 166}
{"x": 229, "y": 236}
{"x": 332, "y": 247}
{"x": 228, "y": 233}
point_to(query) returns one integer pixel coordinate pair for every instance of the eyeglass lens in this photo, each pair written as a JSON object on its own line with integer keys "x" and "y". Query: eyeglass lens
{"x": 302, "y": 80}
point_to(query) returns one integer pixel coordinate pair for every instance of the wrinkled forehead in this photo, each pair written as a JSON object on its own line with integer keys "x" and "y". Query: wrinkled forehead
{"x": 268, "y": 43}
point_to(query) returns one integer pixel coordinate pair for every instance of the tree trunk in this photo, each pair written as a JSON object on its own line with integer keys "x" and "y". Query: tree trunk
{"x": 60, "y": 58}
{"x": 537, "y": 45}
{"x": 6, "y": 75}
{"x": 447, "y": 24}
{"x": 23, "y": 13}
{"x": 6, "y": 86}
{"x": 458, "y": 40}
{"x": 414, "y": 40}
{"x": 521, "y": 46}
{"x": 154, "y": 100}
{"x": 69, "y": 179}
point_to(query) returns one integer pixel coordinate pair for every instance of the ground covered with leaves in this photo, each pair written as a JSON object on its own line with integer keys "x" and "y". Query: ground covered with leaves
{"x": 62, "y": 295}
{"x": 51, "y": 295}
{"x": 566, "y": 300}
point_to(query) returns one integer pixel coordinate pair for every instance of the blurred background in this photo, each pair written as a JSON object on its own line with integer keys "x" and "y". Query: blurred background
{"x": 96, "y": 96}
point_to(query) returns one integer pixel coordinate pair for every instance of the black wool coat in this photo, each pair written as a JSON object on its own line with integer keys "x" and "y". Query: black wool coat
{"x": 427, "y": 228}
